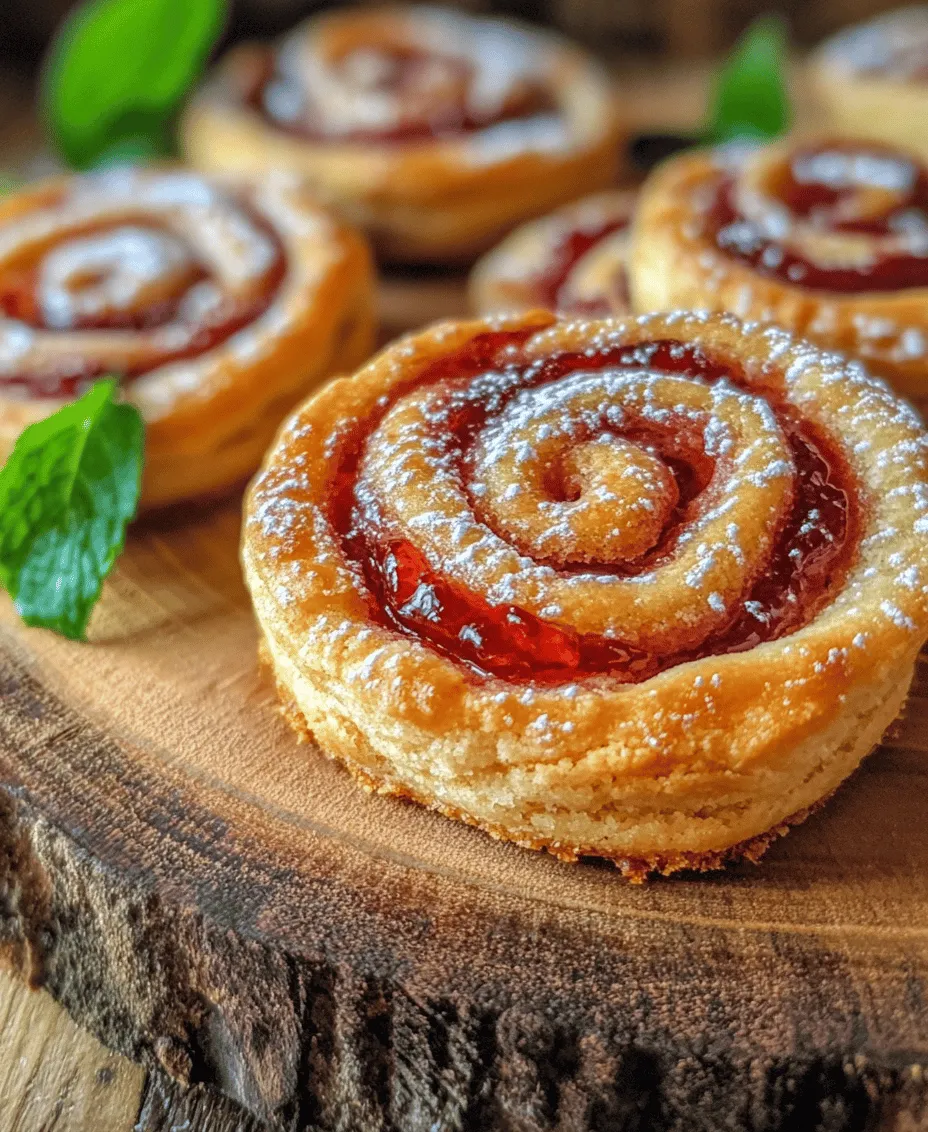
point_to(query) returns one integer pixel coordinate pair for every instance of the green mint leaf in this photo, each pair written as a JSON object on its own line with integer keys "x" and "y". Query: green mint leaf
{"x": 67, "y": 492}
{"x": 751, "y": 99}
{"x": 135, "y": 150}
{"x": 118, "y": 71}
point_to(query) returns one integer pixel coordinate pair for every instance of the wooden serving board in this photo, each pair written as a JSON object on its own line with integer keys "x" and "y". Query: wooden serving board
{"x": 210, "y": 898}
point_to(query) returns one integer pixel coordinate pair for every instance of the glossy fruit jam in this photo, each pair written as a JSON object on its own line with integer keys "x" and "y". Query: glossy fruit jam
{"x": 839, "y": 189}
{"x": 186, "y": 329}
{"x": 811, "y": 554}
{"x": 565, "y": 256}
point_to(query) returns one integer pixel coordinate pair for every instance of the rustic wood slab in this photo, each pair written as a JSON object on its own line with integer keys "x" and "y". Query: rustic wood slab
{"x": 225, "y": 906}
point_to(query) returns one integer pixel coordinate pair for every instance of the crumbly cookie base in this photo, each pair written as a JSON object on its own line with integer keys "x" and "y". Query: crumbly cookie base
{"x": 637, "y": 870}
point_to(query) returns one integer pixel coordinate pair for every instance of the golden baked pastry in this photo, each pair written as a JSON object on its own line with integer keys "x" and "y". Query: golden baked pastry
{"x": 434, "y": 130}
{"x": 571, "y": 261}
{"x": 217, "y": 306}
{"x": 871, "y": 80}
{"x": 644, "y": 589}
{"x": 827, "y": 238}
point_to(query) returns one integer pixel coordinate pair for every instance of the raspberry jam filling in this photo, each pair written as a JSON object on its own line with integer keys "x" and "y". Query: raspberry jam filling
{"x": 429, "y": 96}
{"x": 568, "y": 252}
{"x": 191, "y": 310}
{"x": 809, "y": 559}
{"x": 871, "y": 192}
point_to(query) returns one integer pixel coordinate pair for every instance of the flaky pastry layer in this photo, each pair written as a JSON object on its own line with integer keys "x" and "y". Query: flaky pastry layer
{"x": 710, "y": 758}
{"x": 863, "y": 82}
{"x": 674, "y": 263}
{"x": 511, "y": 277}
{"x": 210, "y": 417}
{"x": 440, "y": 200}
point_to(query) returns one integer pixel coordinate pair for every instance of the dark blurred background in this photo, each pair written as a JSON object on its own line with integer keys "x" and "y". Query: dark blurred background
{"x": 645, "y": 29}
{"x": 663, "y": 50}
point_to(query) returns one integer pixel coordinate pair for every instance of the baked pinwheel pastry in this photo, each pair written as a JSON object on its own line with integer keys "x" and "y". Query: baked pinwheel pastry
{"x": 871, "y": 80}
{"x": 217, "y": 307}
{"x": 571, "y": 261}
{"x": 829, "y": 239}
{"x": 642, "y": 589}
{"x": 434, "y": 130}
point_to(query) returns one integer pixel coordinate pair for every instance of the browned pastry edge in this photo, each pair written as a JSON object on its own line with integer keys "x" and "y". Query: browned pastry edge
{"x": 636, "y": 870}
{"x": 443, "y": 201}
{"x": 676, "y": 263}
{"x": 206, "y": 433}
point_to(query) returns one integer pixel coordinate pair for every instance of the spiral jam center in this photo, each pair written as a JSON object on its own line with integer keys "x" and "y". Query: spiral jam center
{"x": 162, "y": 272}
{"x": 841, "y": 218}
{"x": 393, "y": 93}
{"x": 125, "y": 278}
{"x": 614, "y": 512}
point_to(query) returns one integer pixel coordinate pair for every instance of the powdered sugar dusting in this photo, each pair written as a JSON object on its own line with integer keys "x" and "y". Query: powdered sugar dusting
{"x": 134, "y": 268}
{"x": 548, "y": 509}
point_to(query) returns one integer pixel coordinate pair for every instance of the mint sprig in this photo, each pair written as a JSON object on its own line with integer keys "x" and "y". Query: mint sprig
{"x": 118, "y": 72}
{"x": 751, "y": 99}
{"x": 67, "y": 492}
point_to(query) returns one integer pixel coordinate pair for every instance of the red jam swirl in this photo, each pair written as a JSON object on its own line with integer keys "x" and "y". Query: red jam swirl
{"x": 827, "y": 202}
{"x": 565, "y": 256}
{"x": 19, "y": 300}
{"x": 427, "y": 110}
{"x": 812, "y": 553}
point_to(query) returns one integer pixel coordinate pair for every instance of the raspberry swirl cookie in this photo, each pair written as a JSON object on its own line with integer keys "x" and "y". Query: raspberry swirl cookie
{"x": 571, "y": 261}
{"x": 218, "y": 308}
{"x": 642, "y": 589}
{"x": 434, "y": 130}
{"x": 871, "y": 80}
{"x": 828, "y": 239}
